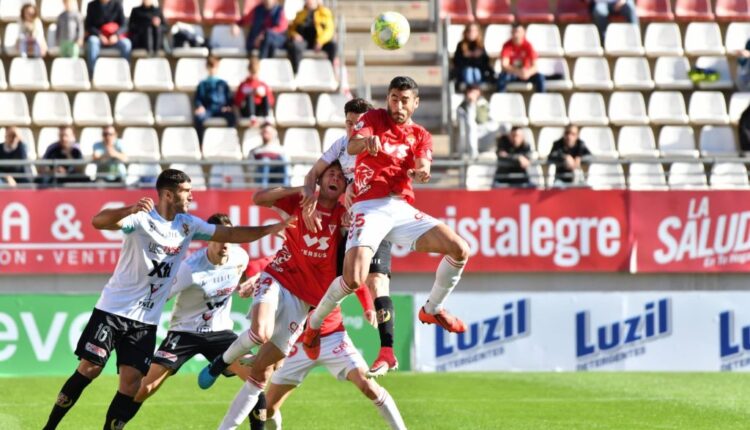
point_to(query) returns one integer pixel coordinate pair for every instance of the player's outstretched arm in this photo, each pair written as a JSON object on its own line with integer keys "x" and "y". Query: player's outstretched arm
{"x": 421, "y": 170}
{"x": 111, "y": 219}
{"x": 359, "y": 143}
{"x": 267, "y": 198}
{"x": 245, "y": 234}
{"x": 311, "y": 182}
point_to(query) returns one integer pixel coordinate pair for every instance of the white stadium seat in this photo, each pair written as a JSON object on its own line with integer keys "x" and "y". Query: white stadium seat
{"x": 142, "y": 175}
{"x": 92, "y": 109}
{"x": 555, "y": 66}
{"x": 140, "y": 144}
{"x": 646, "y": 176}
{"x": 587, "y": 109}
{"x": 234, "y": 71}
{"x": 226, "y": 44}
{"x": 708, "y": 107}
{"x": 294, "y": 110}
{"x": 153, "y": 74}
{"x": 663, "y": 39}
{"x": 703, "y": 38}
{"x": 112, "y": 74}
{"x": 499, "y": 34}
{"x": 547, "y": 137}
{"x": 479, "y": 177}
{"x": 70, "y": 74}
{"x": 132, "y": 108}
{"x": 582, "y": 40}
{"x": 86, "y": 140}
{"x": 10, "y": 38}
{"x": 667, "y": 107}
{"x": 605, "y": 176}
{"x": 545, "y": 38}
{"x": 316, "y": 74}
{"x": 455, "y": 35}
{"x": 737, "y": 105}
{"x": 600, "y": 141}
{"x": 189, "y": 72}
{"x": 221, "y": 144}
{"x": 729, "y": 176}
{"x": 627, "y": 108}
{"x": 636, "y": 142}
{"x": 331, "y": 135}
{"x": 51, "y": 109}
{"x": 302, "y": 144}
{"x": 47, "y": 136}
{"x": 677, "y": 141}
{"x": 228, "y": 176}
{"x": 592, "y": 73}
{"x": 633, "y": 74}
{"x": 195, "y": 171}
{"x": 49, "y": 10}
{"x": 623, "y": 39}
{"x": 329, "y": 109}
{"x": 10, "y": 10}
{"x": 671, "y": 73}
{"x": 719, "y": 64}
{"x": 3, "y": 80}
{"x": 277, "y": 73}
{"x": 717, "y": 141}
{"x": 508, "y": 108}
{"x": 737, "y": 36}
{"x": 687, "y": 176}
{"x": 547, "y": 110}
{"x": 250, "y": 140}
{"x": 173, "y": 109}
{"x": 28, "y": 74}
{"x": 187, "y": 50}
{"x": 14, "y": 109}
{"x": 180, "y": 144}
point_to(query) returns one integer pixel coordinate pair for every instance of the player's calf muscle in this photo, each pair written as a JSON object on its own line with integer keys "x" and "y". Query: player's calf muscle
{"x": 443, "y": 240}
{"x": 357, "y": 266}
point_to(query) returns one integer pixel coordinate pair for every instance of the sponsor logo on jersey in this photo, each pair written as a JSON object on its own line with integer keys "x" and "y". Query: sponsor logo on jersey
{"x": 148, "y": 302}
{"x": 362, "y": 176}
{"x": 340, "y": 348}
{"x": 166, "y": 355}
{"x": 96, "y": 350}
{"x": 157, "y": 249}
{"x": 734, "y": 342}
{"x": 160, "y": 269}
{"x": 617, "y": 341}
{"x": 311, "y": 241}
{"x": 185, "y": 228}
{"x": 398, "y": 150}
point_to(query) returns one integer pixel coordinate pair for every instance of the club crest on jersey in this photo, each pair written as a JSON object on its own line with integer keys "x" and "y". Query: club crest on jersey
{"x": 332, "y": 228}
{"x": 185, "y": 228}
{"x": 410, "y": 139}
{"x": 362, "y": 176}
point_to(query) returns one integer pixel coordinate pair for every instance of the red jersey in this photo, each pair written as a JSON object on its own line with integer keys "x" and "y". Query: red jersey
{"x": 257, "y": 88}
{"x": 521, "y": 56}
{"x": 386, "y": 173}
{"x": 306, "y": 263}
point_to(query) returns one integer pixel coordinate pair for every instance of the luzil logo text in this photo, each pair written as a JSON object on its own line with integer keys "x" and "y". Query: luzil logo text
{"x": 728, "y": 347}
{"x": 511, "y": 324}
{"x": 654, "y": 322}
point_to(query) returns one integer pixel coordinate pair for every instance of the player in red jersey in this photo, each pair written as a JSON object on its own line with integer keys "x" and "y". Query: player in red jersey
{"x": 298, "y": 277}
{"x": 392, "y": 151}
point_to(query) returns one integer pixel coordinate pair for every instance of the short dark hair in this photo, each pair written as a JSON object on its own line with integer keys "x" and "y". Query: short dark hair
{"x": 336, "y": 163}
{"x": 515, "y": 128}
{"x": 516, "y": 25}
{"x": 219, "y": 219}
{"x": 212, "y": 61}
{"x": 171, "y": 179}
{"x": 403, "y": 83}
{"x": 357, "y": 105}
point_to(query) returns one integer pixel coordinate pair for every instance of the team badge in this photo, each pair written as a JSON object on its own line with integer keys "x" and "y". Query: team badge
{"x": 185, "y": 228}
{"x": 411, "y": 139}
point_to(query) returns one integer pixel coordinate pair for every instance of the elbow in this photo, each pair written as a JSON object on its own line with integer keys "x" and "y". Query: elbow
{"x": 97, "y": 223}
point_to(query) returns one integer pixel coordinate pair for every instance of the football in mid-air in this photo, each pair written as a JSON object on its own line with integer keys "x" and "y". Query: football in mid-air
{"x": 390, "y": 30}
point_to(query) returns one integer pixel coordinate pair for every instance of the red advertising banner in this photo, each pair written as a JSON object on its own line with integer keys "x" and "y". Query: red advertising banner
{"x": 691, "y": 231}
{"x": 49, "y": 231}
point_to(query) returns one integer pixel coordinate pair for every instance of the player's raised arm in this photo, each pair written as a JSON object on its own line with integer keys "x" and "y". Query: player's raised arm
{"x": 267, "y": 198}
{"x": 245, "y": 234}
{"x": 421, "y": 170}
{"x": 111, "y": 219}
{"x": 311, "y": 182}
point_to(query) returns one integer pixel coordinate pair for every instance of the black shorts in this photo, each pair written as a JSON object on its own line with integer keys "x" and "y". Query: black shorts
{"x": 381, "y": 261}
{"x": 133, "y": 341}
{"x": 180, "y": 346}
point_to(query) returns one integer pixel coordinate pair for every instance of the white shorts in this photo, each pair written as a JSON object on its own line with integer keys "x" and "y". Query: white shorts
{"x": 337, "y": 354}
{"x": 290, "y": 311}
{"x": 389, "y": 218}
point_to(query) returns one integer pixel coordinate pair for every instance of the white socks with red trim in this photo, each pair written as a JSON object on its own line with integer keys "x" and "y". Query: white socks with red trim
{"x": 337, "y": 292}
{"x": 389, "y": 411}
{"x": 241, "y": 346}
{"x": 242, "y": 404}
{"x": 446, "y": 277}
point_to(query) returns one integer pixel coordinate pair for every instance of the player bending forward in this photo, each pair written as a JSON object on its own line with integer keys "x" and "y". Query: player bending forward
{"x": 378, "y": 279}
{"x": 391, "y": 150}
{"x": 201, "y": 322}
{"x": 296, "y": 278}
{"x": 125, "y": 317}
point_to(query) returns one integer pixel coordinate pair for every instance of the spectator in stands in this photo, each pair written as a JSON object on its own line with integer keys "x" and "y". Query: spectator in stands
{"x": 146, "y": 27}
{"x": 566, "y": 154}
{"x": 743, "y": 67}
{"x": 31, "y": 38}
{"x": 744, "y": 130}
{"x": 312, "y": 28}
{"x": 105, "y": 27}
{"x": 109, "y": 158}
{"x": 473, "y": 114}
{"x": 471, "y": 62}
{"x": 65, "y": 148}
{"x": 69, "y": 34}
{"x": 602, "y": 9}
{"x": 513, "y": 154}
{"x": 254, "y": 98}
{"x": 267, "y": 174}
{"x": 518, "y": 60}
{"x": 13, "y": 149}
{"x": 268, "y": 26}
{"x": 212, "y": 99}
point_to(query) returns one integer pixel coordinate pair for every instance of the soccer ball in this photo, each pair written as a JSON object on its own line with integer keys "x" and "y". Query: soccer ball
{"x": 390, "y": 30}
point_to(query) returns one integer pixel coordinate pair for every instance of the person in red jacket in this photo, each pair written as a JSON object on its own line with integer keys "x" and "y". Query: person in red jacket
{"x": 254, "y": 98}
{"x": 518, "y": 60}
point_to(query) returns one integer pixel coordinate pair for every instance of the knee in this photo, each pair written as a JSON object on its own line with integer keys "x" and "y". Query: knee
{"x": 378, "y": 284}
{"x": 130, "y": 386}
{"x": 89, "y": 370}
{"x": 459, "y": 249}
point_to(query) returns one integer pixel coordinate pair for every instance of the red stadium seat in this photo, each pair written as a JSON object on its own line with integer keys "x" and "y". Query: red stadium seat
{"x": 221, "y": 11}
{"x": 693, "y": 10}
{"x": 182, "y": 10}
{"x": 458, "y": 10}
{"x": 494, "y": 12}
{"x": 732, "y": 10}
{"x": 533, "y": 11}
{"x": 573, "y": 11}
{"x": 655, "y": 10}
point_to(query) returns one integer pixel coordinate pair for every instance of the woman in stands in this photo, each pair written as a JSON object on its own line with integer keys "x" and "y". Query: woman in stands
{"x": 471, "y": 62}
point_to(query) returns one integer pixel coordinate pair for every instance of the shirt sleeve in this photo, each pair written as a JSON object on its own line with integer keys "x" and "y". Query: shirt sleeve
{"x": 332, "y": 153}
{"x": 131, "y": 222}
{"x": 202, "y": 230}
{"x": 506, "y": 51}
{"x": 182, "y": 281}
{"x": 366, "y": 125}
{"x": 288, "y": 204}
{"x": 423, "y": 149}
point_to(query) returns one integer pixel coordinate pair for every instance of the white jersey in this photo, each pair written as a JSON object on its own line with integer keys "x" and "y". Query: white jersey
{"x": 337, "y": 151}
{"x": 204, "y": 292}
{"x": 150, "y": 258}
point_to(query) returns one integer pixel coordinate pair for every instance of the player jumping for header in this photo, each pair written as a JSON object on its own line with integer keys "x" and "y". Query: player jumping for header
{"x": 392, "y": 150}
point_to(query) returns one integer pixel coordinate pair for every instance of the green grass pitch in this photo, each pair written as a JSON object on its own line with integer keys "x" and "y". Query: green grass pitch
{"x": 522, "y": 401}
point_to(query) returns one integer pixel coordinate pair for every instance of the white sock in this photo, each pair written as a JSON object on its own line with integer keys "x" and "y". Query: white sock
{"x": 241, "y": 346}
{"x": 337, "y": 292}
{"x": 242, "y": 404}
{"x": 274, "y": 422}
{"x": 447, "y": 276}
{"x": 389, "y": 411}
